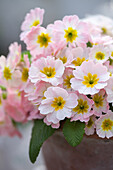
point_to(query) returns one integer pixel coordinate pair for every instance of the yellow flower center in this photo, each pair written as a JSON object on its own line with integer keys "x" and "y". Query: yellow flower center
{"x": 94, "y": 44}
{"x": 63, "y": 59}
{"x": 43, "y": 40}
{"x": 25, "y": 74}
{"x": 43, "y": 95}
{"x": 2, "y": 122}
{"x": 35, "y": 23}
{"x": 70, "y": 34}
{"x": 67, "y": 81}
{"x": 98, "y": 100}
{"x": 90, "y": 123}
{"x": 110, "y": 74}
{"x": 18, "y": 93}
{"x": 107, "y": 124}
{"x": 112, "y": 54}
{"x": 48, "y": 71}
{"x": 58, "y": 103}
{"x": 78, "y": 61}
{"x": 104, "y": 30}
{"x": 7, "y": 73}
{"x": 82, "y": 107}
{"x": 100, "y": 56}
{"x": 90, "y": 80}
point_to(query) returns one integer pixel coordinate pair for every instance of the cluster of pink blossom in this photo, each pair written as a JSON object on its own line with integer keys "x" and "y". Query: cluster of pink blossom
{"x": 70, "y": 74}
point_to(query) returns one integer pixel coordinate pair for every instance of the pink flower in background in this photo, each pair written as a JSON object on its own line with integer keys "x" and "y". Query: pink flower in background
{"x": 48, "y": 70}
{"x": 111, "y": 50}
{"x": 70, "y": 30}
{"x": 58, "y": 47}
{"x": 90, "y": 77}
{"x": 15, "y": 106}
{"x": 23, "y": 68}
{"x": 65, "y": 55}
{"x": 30, "y": 109}
{"x": 67, "y": 76}
{"x": 102, "y": 22}
{"x": 39, "y": 41}
{"x": 58, "y": 104}
{"x": 92, "y": 29}
{"x": 4, "y": 63}
{"x": 101, "y": 40}
{"x": 99, "y": 54}
{"x": 79, "y": 56}
{"x": 2, "y": 110}
{"x": 8, "y": 129}
{"x": 105, "y": 40}
{"x": 9, "y": 76}
{"x": 30, "y": 91}
{"x": 34, "y": 114}
{"x": 6, "y": 125}
{"x": 104, "y": 125}
{"x": 109, "y": 65}
{"x": 14, "y": 70}
{"x": 90, "y": 126}
{"x": 14, "y": 73}
{"x": 14, "y": 55}
{"x": 35, "y": 92}
{"x": 41, "y": 87}
{"x": 109, "y": 90}
{"x": 32, "y": 19}
{"x": 100, "y": 103}
{"x": 82, "y": 111}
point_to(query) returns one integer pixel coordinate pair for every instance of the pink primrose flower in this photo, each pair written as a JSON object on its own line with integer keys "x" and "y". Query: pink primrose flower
{"x": 32, "y": 19}
{"x": 14, "y": 55}
{"x": 100, "y": 103}
{"x": 90, "y": 77}
{"x": 48, "y": 70}
{"x": 104, "y": 125}
{"x": 79, "y": 56}
{"x": 58, "y": 104}
{"x": 102, "y": 22}
{"x": 70, "y": 30}
{"x": 15, "y": 107}
{"x": 39, "y": 41}
{"x": 82, "y": 111}
{"x": 8, "y": 129}
{"x": 99, "y": 54}
{"x": 67, "y": 76}
{"x": 109, "y": 90}
{"x": 65, "y": 55}
{"x": 90, "y": 126}
{"x": 9, "y": 76}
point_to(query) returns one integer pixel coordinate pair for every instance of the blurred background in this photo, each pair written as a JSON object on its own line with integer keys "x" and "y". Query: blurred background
{"x": 14, "y": 152}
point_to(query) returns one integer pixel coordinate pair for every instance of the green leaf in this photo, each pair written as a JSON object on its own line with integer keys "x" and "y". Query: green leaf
{"x": 73, "y": 132}
{"x": 40, "y": 133}
{"x": 3, "y": 88}
{"x": 29, "y": 56}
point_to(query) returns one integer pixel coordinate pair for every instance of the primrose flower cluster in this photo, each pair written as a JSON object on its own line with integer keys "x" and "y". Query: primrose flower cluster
{"x": 69, "y": 74}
